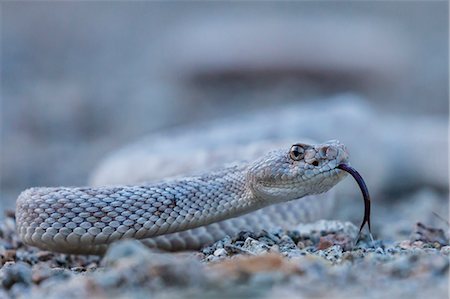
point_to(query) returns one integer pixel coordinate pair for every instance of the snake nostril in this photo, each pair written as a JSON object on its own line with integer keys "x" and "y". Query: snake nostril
{"x": 315, "y": 163}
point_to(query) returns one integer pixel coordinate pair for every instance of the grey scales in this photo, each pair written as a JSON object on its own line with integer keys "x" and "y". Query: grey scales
{"x": 185, "y": 213}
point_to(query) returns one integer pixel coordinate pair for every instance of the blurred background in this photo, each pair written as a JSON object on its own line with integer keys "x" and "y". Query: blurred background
{"x": 80, "y": 79}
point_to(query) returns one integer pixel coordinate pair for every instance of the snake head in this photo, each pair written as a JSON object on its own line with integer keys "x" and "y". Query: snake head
{"x": 303, "y": 169}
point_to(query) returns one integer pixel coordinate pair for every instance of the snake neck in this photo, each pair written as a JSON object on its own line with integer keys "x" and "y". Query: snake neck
{"x": 213, "y": 197}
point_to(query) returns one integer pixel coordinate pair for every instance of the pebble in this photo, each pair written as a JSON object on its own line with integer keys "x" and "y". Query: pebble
{"x": 12, "y": 273}
{"x": 445, "y": 250}
{"x": 255, "y": 247}
{"x": 220, "y": 252}
{"x": 429, "y": 235}
{"x": 125, "y": 249}
{"x": 379, "y": 250}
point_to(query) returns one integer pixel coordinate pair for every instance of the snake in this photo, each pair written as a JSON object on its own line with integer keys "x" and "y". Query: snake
{"x": 280, "y": 186}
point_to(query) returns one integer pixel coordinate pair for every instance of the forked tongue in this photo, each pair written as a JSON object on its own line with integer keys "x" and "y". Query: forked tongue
{"x": 365, "y": 192}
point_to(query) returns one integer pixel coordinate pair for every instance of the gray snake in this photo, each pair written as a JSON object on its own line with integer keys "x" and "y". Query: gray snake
{"x": 183, "y": 213}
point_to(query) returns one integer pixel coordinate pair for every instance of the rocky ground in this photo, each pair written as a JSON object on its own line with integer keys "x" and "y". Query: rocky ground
{"x": 318, "y": 260}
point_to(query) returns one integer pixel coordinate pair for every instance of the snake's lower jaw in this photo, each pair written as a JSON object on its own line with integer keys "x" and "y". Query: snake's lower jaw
{"x": 331, "y": 180}
{"x": 271, "y": 195}
{"x": 317, "y": 185}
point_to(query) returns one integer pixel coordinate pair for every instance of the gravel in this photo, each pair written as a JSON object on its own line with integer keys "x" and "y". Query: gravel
{"x": 319, "y": 260}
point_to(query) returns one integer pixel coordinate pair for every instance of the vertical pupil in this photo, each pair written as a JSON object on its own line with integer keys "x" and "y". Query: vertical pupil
{"x": 295, "y": 151}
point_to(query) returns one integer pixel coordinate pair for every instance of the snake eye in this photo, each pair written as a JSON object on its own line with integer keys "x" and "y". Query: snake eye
{"x": 297, "y": 152}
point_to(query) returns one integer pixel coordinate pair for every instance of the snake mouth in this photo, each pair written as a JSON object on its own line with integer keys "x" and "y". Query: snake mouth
{"x": 365, "y": 192}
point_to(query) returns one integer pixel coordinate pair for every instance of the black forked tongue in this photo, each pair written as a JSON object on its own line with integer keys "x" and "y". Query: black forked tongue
{"x": 365, "y": 192}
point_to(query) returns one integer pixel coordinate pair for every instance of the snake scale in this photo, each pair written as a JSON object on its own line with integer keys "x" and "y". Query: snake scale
{"x": 284, "y": 185}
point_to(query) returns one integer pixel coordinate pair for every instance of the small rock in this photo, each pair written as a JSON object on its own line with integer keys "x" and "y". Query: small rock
{"x": 417, "y": 244}
{"x": 125, "y": 249}
{"x": 26, "y": 256}
{"x": 44, "y": 255}
{"x": 275, "y": 249}
{"x": 392, "y": 250}
{"x": 324, "y": 243}
{"x": 429, "y": 234}
{"x": 379, "y": 250}
{"x": 129, "y": 262}
{"x": 12, "y": 273}
{"x": 332, "y": 254}
{"x": 286, "y": 244}
{"x": 3, "y": 294}
{"x": 78, "y": 269}
{"x": 40, "y": 272}
{"x": 7, "y": 255}
{"x": 220, "y": 252}
{"x": 301, "y": 245}
{"x": 256, "y": 264}
{"x": 445, "y": 250}
{"x": 335, "y": 239}
{"x": 405, "y": 244}
{"x": 255, "y": 246}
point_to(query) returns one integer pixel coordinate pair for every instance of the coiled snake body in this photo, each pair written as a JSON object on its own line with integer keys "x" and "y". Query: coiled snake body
{"x": 183, "y": 213}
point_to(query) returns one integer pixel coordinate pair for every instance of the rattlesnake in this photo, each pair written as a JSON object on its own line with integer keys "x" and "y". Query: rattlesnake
{"x": 279, "y": 187}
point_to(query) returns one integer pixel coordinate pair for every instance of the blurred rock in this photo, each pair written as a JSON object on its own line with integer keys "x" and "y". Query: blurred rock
{"x": 429, "y": 234}
{"x": 12, "y": 273}
{"x": 242, "y": 266}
